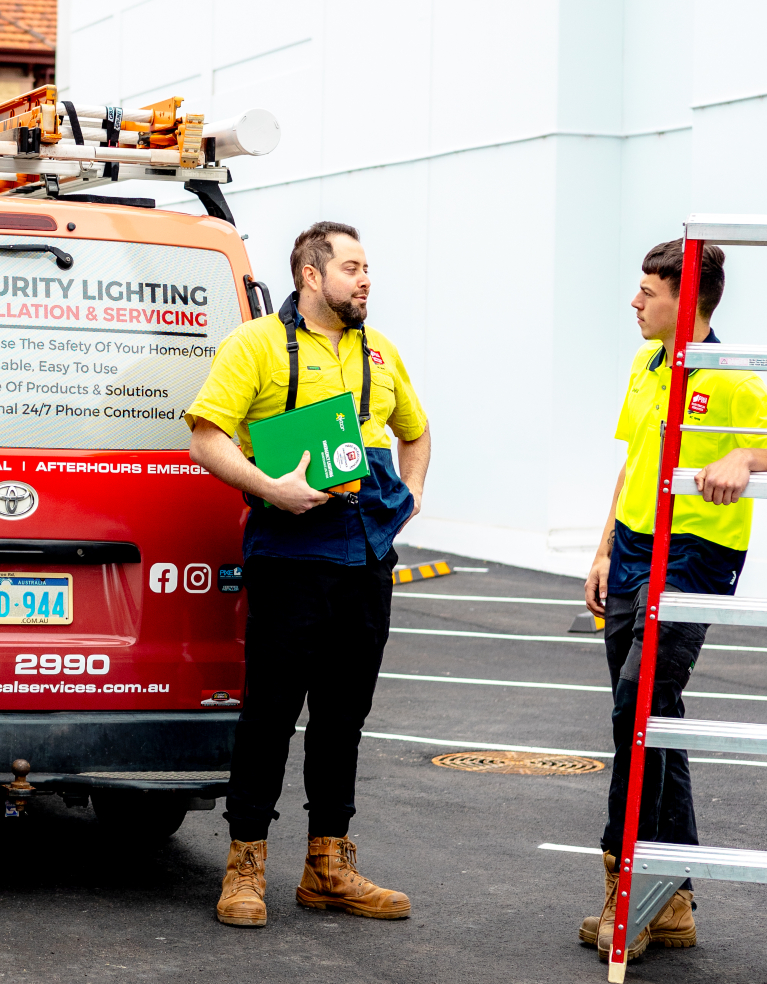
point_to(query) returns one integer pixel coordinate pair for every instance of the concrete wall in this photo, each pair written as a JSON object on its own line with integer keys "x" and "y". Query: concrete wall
{"x": 508, "y": 164}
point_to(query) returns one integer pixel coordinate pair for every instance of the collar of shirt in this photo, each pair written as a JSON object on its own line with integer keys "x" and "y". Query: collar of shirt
{"x": 659, "y": 357}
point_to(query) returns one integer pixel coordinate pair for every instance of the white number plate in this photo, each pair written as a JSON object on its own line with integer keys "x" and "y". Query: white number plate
{"x": 35, "y": 599}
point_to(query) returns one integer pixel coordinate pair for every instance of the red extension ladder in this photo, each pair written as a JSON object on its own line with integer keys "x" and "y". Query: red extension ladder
{"x": 651, "y": 872}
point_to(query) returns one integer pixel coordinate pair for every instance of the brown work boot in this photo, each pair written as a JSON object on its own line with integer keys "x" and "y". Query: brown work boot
{"x": 674, "y": 925}
{"x": 607, "y": 920}
{"x": 331, "y": 880}
{"x": 242, "y": 891}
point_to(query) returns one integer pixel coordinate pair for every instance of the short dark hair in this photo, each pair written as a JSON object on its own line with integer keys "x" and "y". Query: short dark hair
{"x": 665, "y": 260}
{"x": 314, "y": 248}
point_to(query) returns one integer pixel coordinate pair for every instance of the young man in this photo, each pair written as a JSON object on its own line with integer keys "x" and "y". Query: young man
{"x": 318, "y": 570}
{"x": 708, "y": 548}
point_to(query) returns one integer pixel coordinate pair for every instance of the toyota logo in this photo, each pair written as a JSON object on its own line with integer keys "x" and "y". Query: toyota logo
{"x": 17, "y": 500}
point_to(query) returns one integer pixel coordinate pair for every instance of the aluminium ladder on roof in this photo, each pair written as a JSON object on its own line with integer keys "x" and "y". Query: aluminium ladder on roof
{"x": 651, "y": 872}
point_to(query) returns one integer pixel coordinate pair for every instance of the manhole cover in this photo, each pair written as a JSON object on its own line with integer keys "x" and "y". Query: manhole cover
{"x": 519, "y": 763}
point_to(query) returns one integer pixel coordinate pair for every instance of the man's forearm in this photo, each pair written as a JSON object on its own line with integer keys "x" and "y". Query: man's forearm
{"x": 213, "y": 449}
{"x": 756, "y": 459}
{"x": 605, "y": 547}
{"x": 414, "y": 461}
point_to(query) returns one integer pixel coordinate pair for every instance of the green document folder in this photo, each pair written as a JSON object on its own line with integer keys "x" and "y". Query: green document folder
{"x": 330, "y": 430}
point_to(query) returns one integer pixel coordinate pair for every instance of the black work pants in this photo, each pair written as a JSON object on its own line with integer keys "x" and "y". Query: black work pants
{"x": 316, "y": 630}
{"x": 666, "y": 812}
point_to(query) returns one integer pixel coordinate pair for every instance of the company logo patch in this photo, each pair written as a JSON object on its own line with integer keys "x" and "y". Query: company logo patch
{"x": 220, "y": 698}
{"x": 698, "y": 403}
{"x": 340, "y": 418}
{"x": 347, "y": 457}
{"x": 377, "y": 357}
{"x": 230, "y": 578}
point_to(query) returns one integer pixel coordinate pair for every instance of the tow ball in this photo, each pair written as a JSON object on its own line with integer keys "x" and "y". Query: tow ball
{"x": 19, "y": 791}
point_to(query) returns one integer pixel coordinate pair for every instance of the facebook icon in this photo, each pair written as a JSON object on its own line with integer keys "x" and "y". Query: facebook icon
{"x": 163, "y": 578}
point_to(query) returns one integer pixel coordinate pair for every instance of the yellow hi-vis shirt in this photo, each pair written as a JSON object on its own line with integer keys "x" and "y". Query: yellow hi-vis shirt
{"x": 728, "y": 398}
{"x": 249, "y": 381}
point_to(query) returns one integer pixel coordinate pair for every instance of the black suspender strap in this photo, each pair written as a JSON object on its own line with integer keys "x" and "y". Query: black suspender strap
{"x": 286, "y": 317}
{"x": 365, "y": 394}
{"x": 74, "y": 122}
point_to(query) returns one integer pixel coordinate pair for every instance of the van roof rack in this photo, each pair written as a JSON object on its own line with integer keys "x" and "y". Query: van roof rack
{"x": 50, "y": 147}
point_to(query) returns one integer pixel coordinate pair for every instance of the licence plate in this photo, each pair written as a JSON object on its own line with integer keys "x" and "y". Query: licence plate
{"x": 35, "y": 599}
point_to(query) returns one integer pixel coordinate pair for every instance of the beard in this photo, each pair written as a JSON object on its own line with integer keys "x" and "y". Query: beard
{"x": 348, "y": 311}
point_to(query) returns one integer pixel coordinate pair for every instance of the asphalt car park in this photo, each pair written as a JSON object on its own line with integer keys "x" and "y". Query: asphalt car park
{"x": 465, "y": 669}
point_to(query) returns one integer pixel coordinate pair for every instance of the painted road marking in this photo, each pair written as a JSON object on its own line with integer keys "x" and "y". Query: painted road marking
{"x": 513, "y": 601}
{"x": 472, "y": 570}
{"x": 491, "y": 746}
{"x": 499, "y": 635}
{"x": 554, "y": 686}
{"x": 548, "y": 638}
{"x": 570, "y": 848}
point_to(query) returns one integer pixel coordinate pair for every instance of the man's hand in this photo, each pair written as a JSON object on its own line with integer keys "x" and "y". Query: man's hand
{"x": 414, "y": 513}
{"x": 292, "y": 493}
{"x": 723, "y": 481}
{"x": 596, "y": 585}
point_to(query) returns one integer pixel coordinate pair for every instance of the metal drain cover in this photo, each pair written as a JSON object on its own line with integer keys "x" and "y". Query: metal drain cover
{"x": 519, "y": 763}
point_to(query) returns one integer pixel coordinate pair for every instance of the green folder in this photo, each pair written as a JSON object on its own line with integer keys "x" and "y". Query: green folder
{"x": 330, "y": 430}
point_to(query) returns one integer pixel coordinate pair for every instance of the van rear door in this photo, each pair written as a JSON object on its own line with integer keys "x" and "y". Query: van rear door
{"x": 120, "y": 559}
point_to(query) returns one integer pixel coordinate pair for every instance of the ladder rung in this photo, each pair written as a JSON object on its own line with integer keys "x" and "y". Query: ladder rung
{"x": 704, "y": 355}
{"x": 683, "y": 483}
{"x": 748, "y": 230}
{"x": 690, "y": 861}
{"x": 715, "y": 736}
{"x": 678, "y": 606}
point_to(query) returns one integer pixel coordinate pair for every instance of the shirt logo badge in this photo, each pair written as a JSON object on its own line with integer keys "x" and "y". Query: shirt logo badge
{"x": 377, "y": 357}
{"x": 698, "y": 403}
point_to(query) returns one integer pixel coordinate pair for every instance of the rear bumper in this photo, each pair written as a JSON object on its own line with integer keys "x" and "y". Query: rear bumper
{"x": 63, "y": 747}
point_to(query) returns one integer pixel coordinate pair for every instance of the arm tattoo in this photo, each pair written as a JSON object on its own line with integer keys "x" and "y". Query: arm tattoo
{"x": 611, "y": 540}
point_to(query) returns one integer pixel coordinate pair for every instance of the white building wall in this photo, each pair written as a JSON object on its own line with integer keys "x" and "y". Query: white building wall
{"x": 508, "y": 165}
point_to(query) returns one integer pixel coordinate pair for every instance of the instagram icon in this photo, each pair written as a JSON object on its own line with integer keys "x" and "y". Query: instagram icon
{"x": 197, "y": 578}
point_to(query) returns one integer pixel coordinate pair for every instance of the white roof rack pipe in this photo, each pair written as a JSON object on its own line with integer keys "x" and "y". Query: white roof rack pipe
{"x": 729, "y": 230}
{"x": 100, "y": 112}
{"x": 255, "y": 132}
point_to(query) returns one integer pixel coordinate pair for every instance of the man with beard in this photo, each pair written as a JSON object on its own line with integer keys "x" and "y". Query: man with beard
{"x": 318, "y": 570}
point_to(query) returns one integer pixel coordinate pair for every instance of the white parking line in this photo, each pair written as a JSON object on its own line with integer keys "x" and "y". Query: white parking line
{"x": 495, "y": 683}
{"x": 570, "y": 848}
{"x": 552, "y": 686}
{"x": 550, "y": 638}
{"x": 499, "y": 635}
{"x": 512, "y": 601}
{"x": 489, "y": 746}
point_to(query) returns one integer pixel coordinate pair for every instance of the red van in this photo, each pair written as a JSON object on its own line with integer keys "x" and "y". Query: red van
{"x": 121, "y": 609}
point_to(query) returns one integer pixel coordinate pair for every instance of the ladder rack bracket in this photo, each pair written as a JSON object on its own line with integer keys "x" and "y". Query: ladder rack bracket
{"x": 212, "y": 198}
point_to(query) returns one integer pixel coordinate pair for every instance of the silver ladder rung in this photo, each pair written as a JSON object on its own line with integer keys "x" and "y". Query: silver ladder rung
{"x": 689, "y": 861}
{"x": 683, "y": 483}
{"x": 746, "y": 230}
{"x": 704, "y": 355}
{"x": 678, "y": 606}
{"x": 715, "y": 736}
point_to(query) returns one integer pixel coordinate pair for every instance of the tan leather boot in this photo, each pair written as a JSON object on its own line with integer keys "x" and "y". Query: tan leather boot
{"x": 331, "y": 880}
{"x": 607, "y": 920}
{"x": 242, "y": 891}
{"x": 674, "y": 925}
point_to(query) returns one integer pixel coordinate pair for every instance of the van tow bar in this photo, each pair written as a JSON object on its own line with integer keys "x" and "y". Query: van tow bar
{"x": 19, "y": 790}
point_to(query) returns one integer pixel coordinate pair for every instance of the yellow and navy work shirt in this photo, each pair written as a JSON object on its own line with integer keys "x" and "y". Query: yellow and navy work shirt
{"x": 249, "y": 381}
{"x": 708, "y": 542}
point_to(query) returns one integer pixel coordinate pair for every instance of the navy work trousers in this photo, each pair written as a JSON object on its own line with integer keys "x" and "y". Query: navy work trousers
{"x": 666, "y": 812}
{"x": 316, "y": 631}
